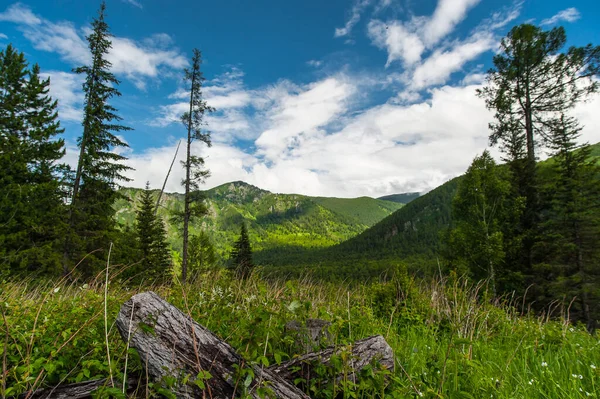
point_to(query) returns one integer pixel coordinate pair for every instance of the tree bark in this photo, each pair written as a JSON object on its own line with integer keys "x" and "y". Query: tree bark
{"x": 79, "y": 390}
{"x": 363, "y": 353}
{"x": 172, "y": 344}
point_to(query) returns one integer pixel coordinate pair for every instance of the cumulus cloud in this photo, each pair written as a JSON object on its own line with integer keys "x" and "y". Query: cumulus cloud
{"x": 137, "y": 61}
{"x": 3, "y": 36}
{"x": 423, "y": 47}
{"x": 357, "y": 9}
{"x": 227, "y": 94}
{"x": 446, "y": 16}
{"x": 66, "y": 87}
{"x": 438, "y": 67}
{"x": 569, "y": 15}
{"x": 407, "y": 40}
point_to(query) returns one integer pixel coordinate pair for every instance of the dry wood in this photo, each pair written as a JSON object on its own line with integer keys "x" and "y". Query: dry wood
{"x": 79, "y": 390}
{"x": 362, "y": 353}
{"x": 173, "y": 344}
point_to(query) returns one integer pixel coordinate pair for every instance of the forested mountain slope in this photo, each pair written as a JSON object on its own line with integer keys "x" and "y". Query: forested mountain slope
{"x": 275, "y": 221}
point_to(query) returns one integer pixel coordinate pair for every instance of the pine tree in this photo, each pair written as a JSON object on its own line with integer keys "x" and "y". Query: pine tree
{"x": 242, "y": 254}
{"x": 201, "y": 252}
{"x": 152, "y": 239}
{"x": 195, "y": 173}
{"x": 31, "y": 206}
{"x": 571, "y": 235}
{"x": 99, "y": 167}
{"x": 531, "y": 84}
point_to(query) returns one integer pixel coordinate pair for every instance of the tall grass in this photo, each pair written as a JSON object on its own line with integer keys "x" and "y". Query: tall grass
{"x": 450, "y": 339}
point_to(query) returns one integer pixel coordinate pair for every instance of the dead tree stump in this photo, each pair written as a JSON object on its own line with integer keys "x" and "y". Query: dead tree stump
{"x": 172, "y": 344}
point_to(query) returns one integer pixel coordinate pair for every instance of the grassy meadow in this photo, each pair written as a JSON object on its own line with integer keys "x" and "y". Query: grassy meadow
{"x": 450, "y": 340}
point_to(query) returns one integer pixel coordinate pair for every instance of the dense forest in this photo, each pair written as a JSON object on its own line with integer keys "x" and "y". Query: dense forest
{"x": 511, "y": 228}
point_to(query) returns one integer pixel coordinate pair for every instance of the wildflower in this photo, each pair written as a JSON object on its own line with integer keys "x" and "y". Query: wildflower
{"x": 531, "y": 381}
{"x": 593, "y": 367}
{"x": 544, "y": 364}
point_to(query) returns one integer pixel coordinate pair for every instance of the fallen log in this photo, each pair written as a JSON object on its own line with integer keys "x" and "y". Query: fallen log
{"x": 361, "y": 353}
{"x": 170, "y": 343}
{"x": 78, "y": 390}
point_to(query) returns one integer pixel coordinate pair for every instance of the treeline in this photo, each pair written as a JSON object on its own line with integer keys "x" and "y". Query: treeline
{"x": 57, "y": 220}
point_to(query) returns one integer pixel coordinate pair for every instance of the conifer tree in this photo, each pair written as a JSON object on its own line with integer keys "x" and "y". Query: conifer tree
{"x": 195, "y": 173}
{"x": 531, "y": 85}
{"x": 480, "y": 208}
{"x": 152, "y": 239}
{"x": 201, "y": 252}
{"x": 570, "y": 244}
{"x": 99, "y": 167}
{"x": 31, "y": 206}
{"x": 242, "y": 254}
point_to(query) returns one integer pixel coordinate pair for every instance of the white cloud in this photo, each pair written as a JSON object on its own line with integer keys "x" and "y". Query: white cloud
{"x": 66, "y": 88}
{"x": 138, "y": 61}
{"x": 407, "y": 40}
{"x": 134, "y": 3}
{"x": 446, "y": 16}
{"x": 569, "y": 15}
{"x": 3, "y": 36}
{"x": 389, "y": 148}
{"x": 314, "y": 63}
{"x": 298, "y": 116}
{"x": 399, "y": 39}
{"x": 442, "y": 63}
{"x": 357, "y": 9}
{"x": 20, "y": 14}
{"x": 423, "y": 47}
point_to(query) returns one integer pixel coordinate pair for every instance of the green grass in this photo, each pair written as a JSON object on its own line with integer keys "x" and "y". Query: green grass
{"x": 449, "y": 341}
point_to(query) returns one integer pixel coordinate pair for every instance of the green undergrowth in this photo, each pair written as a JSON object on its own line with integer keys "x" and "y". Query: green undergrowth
{"x": 450, "y": 340}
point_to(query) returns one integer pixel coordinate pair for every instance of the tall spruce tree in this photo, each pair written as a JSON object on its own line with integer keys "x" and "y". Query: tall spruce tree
{"x": 531, "y": 85}
{"x": 480, "y": 208}
{"x": 241, "y": 254}
{"x": 570, "y": 244}
{"x": 195, "y": 173}
{"x": 31, "y": 207}
{"x": 99, "y": 167}
{"x": 152, "y": 240}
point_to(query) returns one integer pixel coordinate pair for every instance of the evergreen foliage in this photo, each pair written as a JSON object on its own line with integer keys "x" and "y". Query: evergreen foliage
{"x": 202, "y": 253}
{"x": 195, "y": 173}
{"x": 531, "y": 85}
{"x": 569, "y": 247}
{"x": 242, "y": 255}
{"x": 151, "y": 240}
{"x": 480, "y": 209}
{"x": 31, "y": 207}
{"x": 99, "y": 167}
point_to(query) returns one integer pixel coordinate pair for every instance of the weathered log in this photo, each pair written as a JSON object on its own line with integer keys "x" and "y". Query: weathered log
{"x": 172, "y": 344}
{"x": 78, "y": 390}
{"x": 310, "y": 335}
{"x": 361, "y": 354}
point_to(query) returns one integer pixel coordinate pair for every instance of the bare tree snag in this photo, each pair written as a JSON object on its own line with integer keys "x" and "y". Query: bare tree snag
{"x": 362, "y": 353}
{"x": 172, "y": 344}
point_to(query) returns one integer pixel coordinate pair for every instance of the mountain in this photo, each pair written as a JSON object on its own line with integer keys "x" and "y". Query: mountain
{"x": 276, "y": 222}
{"x": 410, "y": 235}
{"x": 404, "y": 198}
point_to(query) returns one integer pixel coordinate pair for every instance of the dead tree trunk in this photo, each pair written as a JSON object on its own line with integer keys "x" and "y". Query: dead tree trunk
{"x": 171, "y": 343}
{"x": 361, "y": 354}
{"x": 79, "y": 390}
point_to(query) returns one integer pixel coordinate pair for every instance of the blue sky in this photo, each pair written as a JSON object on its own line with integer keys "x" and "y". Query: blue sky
{"x": 334, "y": 98}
